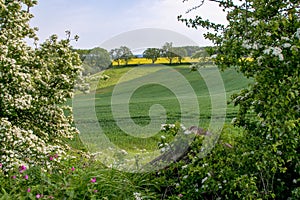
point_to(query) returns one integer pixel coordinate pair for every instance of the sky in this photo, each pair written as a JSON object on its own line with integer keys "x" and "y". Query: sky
{"x": 109, "y": 23}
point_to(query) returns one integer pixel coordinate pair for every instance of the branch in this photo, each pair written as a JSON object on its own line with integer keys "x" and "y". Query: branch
{"x": 194, "y": 8}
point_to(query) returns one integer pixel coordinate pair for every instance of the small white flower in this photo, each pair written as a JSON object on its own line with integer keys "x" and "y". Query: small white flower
{"x": 203, "y": 180}
{"x": 163, "y": 127}
{"x": 255, "y": 23}
{"x": 214, "y": 56}
{"x": 286, "y": 45}
{"x": 137, "y": 196}
{"x": 172, "y": 125}
{"x": 182, "y": 127}
{"x": 124, "y": 152}
{"x": 280, "y": 56}
{"x": 297, "y": 34}
{"x": 233, "y": 120}
{"x": 185, "y": 177}
{"x": 285, "y": 38}
{"x": 184, "y": 167}
{"x": 250, "y": 19}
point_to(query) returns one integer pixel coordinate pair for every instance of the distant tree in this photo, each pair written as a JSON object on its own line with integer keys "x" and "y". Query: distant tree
{"x": 126, "y": 54}
{"x": 82, "y": 53}
{"x": 96, "y": 60}
{"x": 122, "y": 53}
{"x": 191, "y": 49}
{"x": 152, "y": 53}
{"x": 116, "y": 55}
{"x": 180, "y": 52}
{"x": 167, "y": 51}
{"x": 200, "y": 54}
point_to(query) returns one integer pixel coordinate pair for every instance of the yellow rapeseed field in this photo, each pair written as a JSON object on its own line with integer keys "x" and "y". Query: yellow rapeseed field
{"x": 161, "y": 60}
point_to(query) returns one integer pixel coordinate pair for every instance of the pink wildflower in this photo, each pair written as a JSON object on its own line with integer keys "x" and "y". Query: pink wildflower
{"x": 26, "y": 177}
{"x": 14, "y": 177}
{"x": 73, "y": 168}
{"x": 28, "y": 190}
{"x": 180, "y": 195}
{"x": 93, "y": 180}
{"x": 22, "y": 169}
{"x": 1, "y": 165}
{"x": 38, "y": 196}
{"x": 95, "y": 191}
{"x": 51, "y": 158}
{"x": 56, "y": 156}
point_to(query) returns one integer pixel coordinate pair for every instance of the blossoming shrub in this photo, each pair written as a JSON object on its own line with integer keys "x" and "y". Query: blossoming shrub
{"x": 34, "y": 85}
{"x": 269, "y": 110}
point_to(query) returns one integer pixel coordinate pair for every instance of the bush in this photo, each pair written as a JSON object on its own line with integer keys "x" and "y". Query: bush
{"x": 35, "y": 83}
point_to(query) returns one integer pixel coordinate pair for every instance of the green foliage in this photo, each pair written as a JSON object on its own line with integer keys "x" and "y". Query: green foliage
{"x": 122, "y": 53}
{"x": 269, "y": 33}
{"x": 34, "y": 84}
{"x": 180, "y": 52}
{"x": 168, "y": 51}
{"x": 94, "y": 60}
{"x": 152, "y": 53}
{"x": 78, "y": 178}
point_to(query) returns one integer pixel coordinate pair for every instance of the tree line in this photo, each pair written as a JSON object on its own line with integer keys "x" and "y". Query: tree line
{"x": 97, "y": 59}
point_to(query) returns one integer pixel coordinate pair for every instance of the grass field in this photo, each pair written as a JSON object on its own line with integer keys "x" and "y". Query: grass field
{"x": 98, "y": 116}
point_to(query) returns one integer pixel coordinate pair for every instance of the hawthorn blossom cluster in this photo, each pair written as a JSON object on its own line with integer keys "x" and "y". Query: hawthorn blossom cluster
{"x": 35, "y": 84}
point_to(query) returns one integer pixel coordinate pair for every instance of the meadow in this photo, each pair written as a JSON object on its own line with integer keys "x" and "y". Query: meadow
{"x": 146, "y": 96}
{"x": 91, "y": 177}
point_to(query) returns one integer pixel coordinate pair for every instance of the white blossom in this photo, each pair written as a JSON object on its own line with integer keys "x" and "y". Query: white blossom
{"x": 297, "y": 34}
{"x": 286, "y": 45}
{"x": 255, "y": 23}
{"x": 203, "y": 180}
{"x": 276, "y": 51}
{"x": 137, "y": 196}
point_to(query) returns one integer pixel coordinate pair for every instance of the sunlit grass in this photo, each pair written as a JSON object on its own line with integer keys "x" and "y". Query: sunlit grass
{"x": 146, "y": 96}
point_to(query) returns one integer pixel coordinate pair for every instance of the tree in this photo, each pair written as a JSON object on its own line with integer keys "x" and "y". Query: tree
{"x": 96, "y": 60}
{"x": 116, "y": 55}
{"x": 126, "y": 54}
{"x": 35, "y": 84}
{"x": 191, "y": 49}
{"x": 152, "y": 53}
{"x": 180, "y": 52}
{"x": 167, "y": 51}
{"x": 268, "y": 32}
{"x": 82, "y": 53}
{"x": 122, "y": 53}
{"x": 200, "y": 54}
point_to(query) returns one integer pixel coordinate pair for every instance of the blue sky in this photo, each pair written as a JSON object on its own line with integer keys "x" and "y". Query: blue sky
{"x": 97, "y": 21}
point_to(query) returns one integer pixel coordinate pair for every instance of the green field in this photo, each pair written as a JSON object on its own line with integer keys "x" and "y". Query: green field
{"x": 146, "y": 94}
